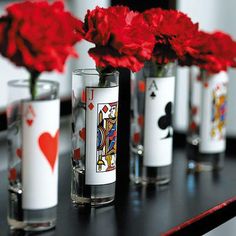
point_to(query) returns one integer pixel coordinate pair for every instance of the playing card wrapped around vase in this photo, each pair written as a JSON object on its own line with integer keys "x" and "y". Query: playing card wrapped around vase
{"x": 122, "y": 39}
{"x": 213, "y": 53}
{"x": 94, "y": 136}
{"x": 206, "y": 148}
{"x": 152, "y": 99}
{"x": 33, "y": 135}
{"x": 40, "y": 41}
{"x": 213, "y": 120}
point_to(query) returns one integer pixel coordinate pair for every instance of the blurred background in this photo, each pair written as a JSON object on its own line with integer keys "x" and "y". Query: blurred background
{"x": 212, "y": 15}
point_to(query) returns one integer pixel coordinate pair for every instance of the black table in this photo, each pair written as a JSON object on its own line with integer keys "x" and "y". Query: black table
{"x": 137, "y": 210}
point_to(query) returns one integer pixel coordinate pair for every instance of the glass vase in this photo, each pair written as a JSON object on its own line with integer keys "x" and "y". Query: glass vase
{"x": 152, "y": 98}
{"x": 194, "y": 105}
{"x": 33, "y": 132}
{"x": 94, "y": 136}
{"x": 209, "y": 148}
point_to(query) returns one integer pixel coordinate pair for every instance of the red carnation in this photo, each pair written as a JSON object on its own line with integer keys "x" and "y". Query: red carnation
{"x": 121, "y": 37}
{"x": 171, "y": 29}
{"x": 38, "y": 36}
{"x": 211, "y": 52}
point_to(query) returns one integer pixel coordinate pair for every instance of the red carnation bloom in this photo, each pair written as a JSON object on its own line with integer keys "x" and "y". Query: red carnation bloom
{"x": 121, "y": 38}
{"x": 38, "y": 36}
{"x": 211, "y": 52}
{"x": 224, "y": 48}
{"x": 171, "y": 29}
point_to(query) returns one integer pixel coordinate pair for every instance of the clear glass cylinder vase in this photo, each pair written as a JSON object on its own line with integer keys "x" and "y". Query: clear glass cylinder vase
{"x": 94, "y": 136}
{"x": 152, "y": 98}
{"x": 206, "y": 140}
{"x": 33, "y": 134}
{"x": 194, "y": 105}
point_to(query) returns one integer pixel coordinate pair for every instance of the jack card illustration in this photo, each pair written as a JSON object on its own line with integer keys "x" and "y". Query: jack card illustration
{"x": 101, "y": 135}
{"x": 106, "y": 137}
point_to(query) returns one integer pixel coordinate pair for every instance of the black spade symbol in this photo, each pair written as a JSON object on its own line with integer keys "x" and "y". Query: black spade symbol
{"x": 165, "y": 122}
{"x": 152, "y": 95}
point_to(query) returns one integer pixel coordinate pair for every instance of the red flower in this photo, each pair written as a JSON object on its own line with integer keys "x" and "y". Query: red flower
{"x": 38, "y": 36}
{"x": 121, "y": 38}
{"x": 171, "y": 29}
{"x": 211, "y": 52}
{"x": 224, "y": 48}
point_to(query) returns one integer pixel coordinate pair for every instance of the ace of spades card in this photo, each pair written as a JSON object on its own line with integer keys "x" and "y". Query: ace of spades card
{"x": 40, "y": 139}
{"x": 101, "y": 131}
{"x": 157, "y": 124}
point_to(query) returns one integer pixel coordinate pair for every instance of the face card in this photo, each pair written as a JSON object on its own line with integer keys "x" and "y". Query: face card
{"x": 101, "y": 135}
{"x": 213, "y": 107}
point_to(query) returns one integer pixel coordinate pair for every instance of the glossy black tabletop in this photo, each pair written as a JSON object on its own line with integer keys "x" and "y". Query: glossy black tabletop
{"x": 137, "y": 210}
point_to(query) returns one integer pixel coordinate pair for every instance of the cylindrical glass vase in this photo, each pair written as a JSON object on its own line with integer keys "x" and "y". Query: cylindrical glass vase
{"x": 194, "y": 106}
{"x": 33, "y": 133}
{"x": 211, "y": 137}
{"x": 152, "y": 98}
{"x": 94, "y": 136}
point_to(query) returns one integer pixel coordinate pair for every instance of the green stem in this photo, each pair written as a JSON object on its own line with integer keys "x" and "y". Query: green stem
{"x": 163, "y": 70}
{"x": 160, "y": 71}
{"x": 33, "y": 81}
{"x": 102, "y": 80}
{"x": 103, "y": 73}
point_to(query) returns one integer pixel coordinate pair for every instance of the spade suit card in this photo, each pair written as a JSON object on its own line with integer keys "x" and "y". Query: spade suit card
{"x": 40, "y": 141}
{"x": 158, "y": 129}
{"x": 101, "y": 135}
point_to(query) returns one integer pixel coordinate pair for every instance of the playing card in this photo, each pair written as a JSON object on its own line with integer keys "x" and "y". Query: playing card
{"x": 212, "y": 129}
{"x": 101, "y": 135}
{"x": 40, "y": 153}
{"x": 158, "y": 129}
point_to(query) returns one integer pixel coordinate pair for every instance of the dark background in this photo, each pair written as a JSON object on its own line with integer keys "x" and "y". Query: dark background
{"x": 141, "y": 5}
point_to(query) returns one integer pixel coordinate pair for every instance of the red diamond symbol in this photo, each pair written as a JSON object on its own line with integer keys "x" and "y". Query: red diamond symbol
{"x": 77, "y": 154}
{"x": 105, "y": 109}
{"x": 90, "y": 106}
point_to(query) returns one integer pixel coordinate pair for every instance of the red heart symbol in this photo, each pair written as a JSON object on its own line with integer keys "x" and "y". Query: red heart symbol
{"x": 82, "y": 133}
{"x": 49, "y": 147}
{"x": 29, "y": 122}
{"x": 19, "y": 152}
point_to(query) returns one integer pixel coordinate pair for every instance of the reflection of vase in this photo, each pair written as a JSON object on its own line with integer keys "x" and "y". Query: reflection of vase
{"x": 152, "y": 97}
{"x": 33, "y": 133}
{"x": 94, "y": 137}
{"x": 210, "y": 140}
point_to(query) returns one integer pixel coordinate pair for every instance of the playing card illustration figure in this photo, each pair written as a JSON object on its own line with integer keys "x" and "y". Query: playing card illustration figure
{"x": 106, "y": 137}
{"x": 165, "y": 122}
{"x": 218, "y": 112}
